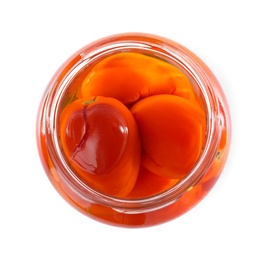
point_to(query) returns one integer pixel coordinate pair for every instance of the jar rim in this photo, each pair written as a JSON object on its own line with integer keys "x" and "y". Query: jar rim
{"x": 174, "y": 52}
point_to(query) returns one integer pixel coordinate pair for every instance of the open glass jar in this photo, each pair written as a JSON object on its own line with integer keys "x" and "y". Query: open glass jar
{"x": 133, "y": 130}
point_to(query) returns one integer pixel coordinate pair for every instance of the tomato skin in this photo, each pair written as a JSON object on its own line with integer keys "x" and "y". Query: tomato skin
{"x": 100, "y": 140}
{"x": 149, "y": 184}
{"x": 170, "y": 149}
{"x": 130, "y": 77}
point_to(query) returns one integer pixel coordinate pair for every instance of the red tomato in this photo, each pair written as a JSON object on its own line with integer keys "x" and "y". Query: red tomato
{"x": 100, "y": 140}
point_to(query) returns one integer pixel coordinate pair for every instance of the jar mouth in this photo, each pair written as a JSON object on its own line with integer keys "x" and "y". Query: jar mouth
{"x": 176, "y": 54}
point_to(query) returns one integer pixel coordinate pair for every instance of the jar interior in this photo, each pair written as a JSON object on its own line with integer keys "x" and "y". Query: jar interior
{"x": 67, "y": 93}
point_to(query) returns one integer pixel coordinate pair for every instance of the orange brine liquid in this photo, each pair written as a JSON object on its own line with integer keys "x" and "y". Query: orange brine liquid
{"x": 132, "y": 126}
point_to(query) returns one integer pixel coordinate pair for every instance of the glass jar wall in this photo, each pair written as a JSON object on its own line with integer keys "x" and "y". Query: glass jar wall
{"x": 133, "y": 130}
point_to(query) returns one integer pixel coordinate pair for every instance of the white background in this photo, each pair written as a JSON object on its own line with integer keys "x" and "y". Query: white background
{"x": 231, "y": 36}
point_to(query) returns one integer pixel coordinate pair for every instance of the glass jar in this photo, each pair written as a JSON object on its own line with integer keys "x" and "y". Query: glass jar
{"x": 155, "y": 208}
